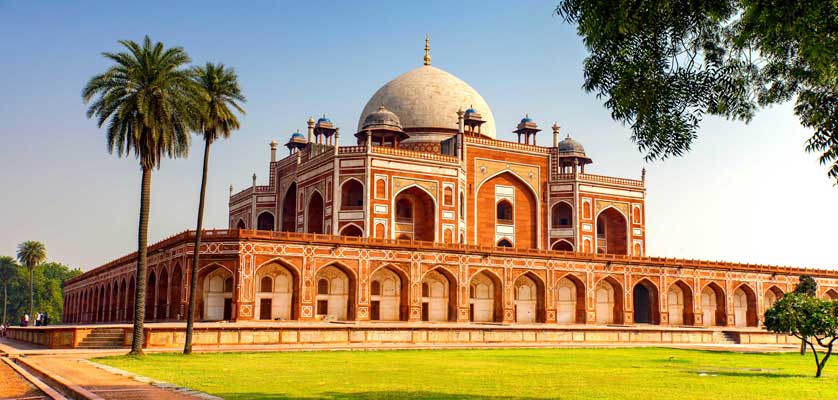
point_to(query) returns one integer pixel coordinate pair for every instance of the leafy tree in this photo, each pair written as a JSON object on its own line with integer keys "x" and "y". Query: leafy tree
{"x": 31, "y": 254}
{"x": 220, "y": 92}
{"x": 147, "y": 100}
{"x": 48, "y": 280}
{"x": 8, "y": 268}
{"x": 661, "y": 65}
{"x": 812, "y": 320}
{"x": 807, "y": 285}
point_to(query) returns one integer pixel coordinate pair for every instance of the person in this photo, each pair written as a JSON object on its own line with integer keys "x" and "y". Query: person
{"x": 2, "y": 330}
{"x": 24, "y": 320}
{"x": 38, "y": 319}
{"x": 45, "y": 319}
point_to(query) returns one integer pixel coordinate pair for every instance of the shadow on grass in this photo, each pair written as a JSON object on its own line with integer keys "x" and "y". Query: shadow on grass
{"x": 750, "y": 374}
{"x": 369, "y": 396}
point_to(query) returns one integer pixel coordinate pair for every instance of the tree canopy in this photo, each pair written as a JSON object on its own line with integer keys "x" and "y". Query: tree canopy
{"x": 812, "y": 320}
{"x": 48, "y": 283}
{"x": 661, "y": 65}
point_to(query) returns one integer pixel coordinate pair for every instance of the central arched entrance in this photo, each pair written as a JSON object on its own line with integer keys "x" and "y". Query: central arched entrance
{"x": 414, "y": 217}
{"x": 611, "y": 232}
{"x": 289, "y": 209}
{"x": 646, "y": 310}
{"x": 485, "y": 296}
{"x": 506, "y": 207}
{"x": 771, "y": 296}
{"x": 438, "y": 303}
{"x": 265, "y": 221}
{"x": 276, "y": 297}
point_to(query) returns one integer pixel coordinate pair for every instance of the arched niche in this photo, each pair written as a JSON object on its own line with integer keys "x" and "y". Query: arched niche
{"x": 439, "y": 304}
{"x": 485, "y": 298}
{"x": 277, "y": 292}
{"x": 570, "y": 300}
{"x": 608, "y": 300}
{"x": 335, "y": 288}
{"x": 646, "y": 308}
{"x": 611, "y": 232}
{"x": 388, "y": 295}
{"x": 680, "y": 304}
{"x": 529, "y": 299}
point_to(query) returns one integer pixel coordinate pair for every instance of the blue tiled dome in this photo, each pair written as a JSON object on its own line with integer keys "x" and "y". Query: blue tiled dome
{"x": 526, "y": 119}
{"x": 470, "y": 111}
{"x": 323, "y": 119}
{"x": 297, "y": 135}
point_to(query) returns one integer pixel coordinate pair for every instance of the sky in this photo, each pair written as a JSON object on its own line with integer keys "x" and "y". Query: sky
{"x": 745, "y": 193}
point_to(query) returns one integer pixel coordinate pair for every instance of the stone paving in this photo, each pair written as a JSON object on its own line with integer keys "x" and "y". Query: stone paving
{"x": 13, "y": 386}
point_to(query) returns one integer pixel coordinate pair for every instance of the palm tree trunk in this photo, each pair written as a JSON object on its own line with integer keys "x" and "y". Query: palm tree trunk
{"x": 142, "y": 267}
{"x": 5, "y": 298}
{"x": 193, "y": 277}
{"x": 31, "y": 269}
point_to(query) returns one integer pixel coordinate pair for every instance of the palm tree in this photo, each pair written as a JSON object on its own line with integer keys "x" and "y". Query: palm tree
{"x": 31, "y": 254}
{"x": 8, "y": 266}
{"x": 146, "y": 101}
{"x": 220, "y": 91}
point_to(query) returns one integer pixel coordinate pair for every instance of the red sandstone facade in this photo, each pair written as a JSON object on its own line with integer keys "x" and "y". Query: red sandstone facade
{"x": 427, "y": 217}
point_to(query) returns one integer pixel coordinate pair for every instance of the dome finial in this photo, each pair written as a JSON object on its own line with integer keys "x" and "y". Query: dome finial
{"x": 427, "y": 50}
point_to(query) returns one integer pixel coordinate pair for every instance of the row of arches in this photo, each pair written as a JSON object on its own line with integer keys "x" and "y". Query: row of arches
{"x": 277, "y": 288}
{"x": 414, "y": 212}
{"x": 113, "y": 301}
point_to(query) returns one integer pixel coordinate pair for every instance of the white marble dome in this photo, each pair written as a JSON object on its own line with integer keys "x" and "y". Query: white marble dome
{"x": 428, "y": 97}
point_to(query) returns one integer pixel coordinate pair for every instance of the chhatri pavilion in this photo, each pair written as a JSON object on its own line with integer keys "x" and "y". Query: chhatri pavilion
{"x": 420, "y": 214}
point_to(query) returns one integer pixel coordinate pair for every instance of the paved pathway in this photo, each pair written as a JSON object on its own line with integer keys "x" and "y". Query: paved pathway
{"x": 103, "y": 384}
{"x": 13, "y": 386}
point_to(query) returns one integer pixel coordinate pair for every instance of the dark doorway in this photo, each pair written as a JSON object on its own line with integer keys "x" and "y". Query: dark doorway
{"x": 375, "y": 310}
{"x": 425, "y": 312}
{"x": 642, "y": 305}
{"x": 265, "y": 308}
{"x": 322, "y": 307}
{"x": 228, "y": 309}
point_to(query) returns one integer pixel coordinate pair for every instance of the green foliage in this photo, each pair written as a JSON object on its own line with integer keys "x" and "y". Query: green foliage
{"x": 147, "y": 100}
{"x": 8, "y": 269}
{"x": 48, "y": 284}
{"x": 807, "y": 285}
{"x": 31, "y": 253}
{"x": 813, "y": 320}
{"x": 661, "y": 65}
{"x": 219, "y": 92}
{"x": 619, "y": 373}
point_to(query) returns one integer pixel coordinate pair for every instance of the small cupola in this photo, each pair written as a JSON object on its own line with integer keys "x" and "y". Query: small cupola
{"x": 324, "y": 130}
{"x": 296, "y": 142}
{"x": 382, "y": 128}
{"x": 526, "y": 130}
{"x": 571, "y": 155}
{"x": 473, "y": 119}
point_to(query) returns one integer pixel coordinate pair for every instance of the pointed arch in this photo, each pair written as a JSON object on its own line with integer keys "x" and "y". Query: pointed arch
{"x": 439, "y": 295}
{"x": 288, "y": 217}
{"x": 315, "y": 212}
{"x": 282, "y": 300}
{"x": 351, "y": 229}
{"x": 744, "y": 306}
{"x": 562, "y": 245}
{"x": 241, "y": 224}
{"x": 150, "y": 298}
{"x": 265, "y": 221}
{"x": 561, "y": 215}
{"x": 340, "y": 299}
{"x": 390, "y": 302}
{"x": 214, "y": 302}
{"x": 608, "y": 299}
{"x": 529, "y": 298}
{"x": 831, "y": 294}
{"x": 352, "y": 194}
{"x": 526, "y": 206}
{"x": 570, "y": 300}
{"x": 485, "y": 296}
{"x": 162, "y": 295}
{"x": 646, "y": 304}
{"x": 612, "y": 231}
{"x": 679, "y": 298}
{"x": 713, "y": 305}
{"x": 176, "y": 311}
{"x": 772, "y": 294}
{"x": 414, "y": 213}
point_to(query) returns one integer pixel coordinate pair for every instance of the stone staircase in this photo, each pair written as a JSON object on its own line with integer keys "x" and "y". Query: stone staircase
{"x": 102, "y": 338}
{"x": 725, "y": 337}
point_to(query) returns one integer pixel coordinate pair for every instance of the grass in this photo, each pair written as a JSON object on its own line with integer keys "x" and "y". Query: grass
{"x": 631, "y": 373}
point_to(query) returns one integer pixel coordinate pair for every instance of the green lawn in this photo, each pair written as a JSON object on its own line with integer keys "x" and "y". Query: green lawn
{"x": 639, "y": 373}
